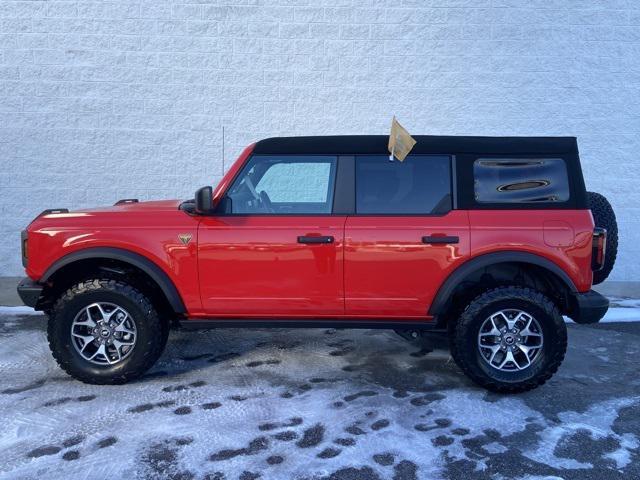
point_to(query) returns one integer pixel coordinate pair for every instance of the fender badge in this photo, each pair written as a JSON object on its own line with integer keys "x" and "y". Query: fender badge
{"x": 184, "y": 238}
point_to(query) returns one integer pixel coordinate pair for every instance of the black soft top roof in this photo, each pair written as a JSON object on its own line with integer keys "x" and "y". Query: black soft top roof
{"x": 426, "y": 144}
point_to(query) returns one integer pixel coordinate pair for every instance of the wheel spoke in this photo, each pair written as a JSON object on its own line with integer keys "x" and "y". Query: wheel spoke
{"x": 89, "y": 316}
{"x": 86, "y": 323}
{"x": 102, "y": 312}
{"x": 494, "y": 351}
{"x": 123, "y": 329}
{"x": 123, "y": 343}
{"x": 529, "y": 333}
{"x": 87, "y": 339}
{"x": 114, "y": 315}
{"x": 100, "y": 351}
{"x": 526, "y": 331}
{"x": 117, "y": 349}
{"x": 494, "y": 332}
{"x": 511, "y": 322}
{"x": 501, "y": 315}
{"x": 507, "y": 358}
{"x": 526, "y": 349}
{"x": 121, "y": 325}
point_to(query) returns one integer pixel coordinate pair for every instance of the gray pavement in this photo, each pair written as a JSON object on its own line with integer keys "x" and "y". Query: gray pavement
{"x": 318, "y": 404}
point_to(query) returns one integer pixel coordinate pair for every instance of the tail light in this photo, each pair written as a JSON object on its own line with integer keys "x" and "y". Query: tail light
{"x": 598, "y": 248}
{"x": 25, "y": 251}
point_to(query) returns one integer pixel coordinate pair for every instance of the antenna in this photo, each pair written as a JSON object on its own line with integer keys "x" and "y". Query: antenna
{"x": 222, "y": 149}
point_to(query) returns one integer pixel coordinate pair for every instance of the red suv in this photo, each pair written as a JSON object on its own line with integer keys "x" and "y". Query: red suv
{"x": 489, "y": 239}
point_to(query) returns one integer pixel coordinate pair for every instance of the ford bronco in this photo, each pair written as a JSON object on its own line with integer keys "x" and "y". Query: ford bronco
{"x": 489, "y": 240}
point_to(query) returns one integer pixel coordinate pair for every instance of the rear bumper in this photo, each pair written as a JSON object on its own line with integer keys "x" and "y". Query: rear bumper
{"x": 29, "y": 291}
{"x": 590, "y": 307}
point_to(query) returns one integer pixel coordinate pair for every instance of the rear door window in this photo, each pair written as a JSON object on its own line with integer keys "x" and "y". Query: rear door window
{"x": 520, "y": 180}
{"x": 421, "y": 185}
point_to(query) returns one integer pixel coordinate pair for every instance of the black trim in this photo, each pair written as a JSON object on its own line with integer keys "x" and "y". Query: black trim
{"x": 344, "y": 197}
{"x": 139, "y": 261}
{"x": 590, "y": 307}
{"x": 29, "y": 291}
{"x": 443, "y": 297}
{"x": 24, "y": 247}
{"x": 454, "y": 182}
{"x": 440, "y": 240}
{"x": 53, "y": 210}
{"x": 425, "y": 144}
{"x": 126, "y": 200}
{"x": 366, "y": 323}
{"x": 598, "y": 248}
{"x": 316, "y": 240}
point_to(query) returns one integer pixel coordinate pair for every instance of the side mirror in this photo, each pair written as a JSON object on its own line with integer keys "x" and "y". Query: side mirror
{"x": 204, "y": 201}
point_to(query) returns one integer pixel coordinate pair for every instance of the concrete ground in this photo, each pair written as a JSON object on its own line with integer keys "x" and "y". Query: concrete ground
{"x": 318, "y": 404}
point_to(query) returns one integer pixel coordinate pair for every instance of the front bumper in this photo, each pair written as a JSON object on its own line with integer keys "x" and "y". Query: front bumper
{"x": 29, "y": 291}
{"x": 590, "y": 307}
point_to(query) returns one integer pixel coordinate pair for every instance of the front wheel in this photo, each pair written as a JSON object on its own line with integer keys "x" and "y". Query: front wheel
{"x": 509, "y": 339}
{"x": 105, "y": 331}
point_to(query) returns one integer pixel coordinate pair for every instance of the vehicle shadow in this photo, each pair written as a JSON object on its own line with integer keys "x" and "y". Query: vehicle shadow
{"x": 288, "y": 357}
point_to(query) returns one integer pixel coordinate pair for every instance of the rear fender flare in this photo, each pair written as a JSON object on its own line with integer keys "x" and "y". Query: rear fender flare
{"x": 442, "y": 298}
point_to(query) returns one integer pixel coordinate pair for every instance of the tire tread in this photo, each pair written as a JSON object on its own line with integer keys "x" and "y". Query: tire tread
{"x": 461, "y": 329}
{"x": 152, "y": 350}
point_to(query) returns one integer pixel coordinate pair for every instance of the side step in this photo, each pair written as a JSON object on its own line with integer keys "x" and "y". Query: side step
{"x": 417, "y": 326}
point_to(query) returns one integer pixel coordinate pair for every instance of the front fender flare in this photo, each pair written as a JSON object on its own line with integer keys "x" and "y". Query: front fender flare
{"x": 158, "y": 275}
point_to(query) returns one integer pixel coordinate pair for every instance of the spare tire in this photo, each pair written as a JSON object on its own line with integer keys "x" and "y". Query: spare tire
{"x": 604, "y": 217}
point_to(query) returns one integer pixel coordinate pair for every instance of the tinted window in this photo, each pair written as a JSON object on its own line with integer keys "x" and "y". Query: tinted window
{"x": 271, "y": 184}
{"x": 519, "y": 180}
{"x": 419, "y": 185}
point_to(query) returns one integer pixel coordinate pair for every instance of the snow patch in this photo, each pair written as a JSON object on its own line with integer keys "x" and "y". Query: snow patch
{"x": 21, "y": 310}
{"x": 597, "y": 420}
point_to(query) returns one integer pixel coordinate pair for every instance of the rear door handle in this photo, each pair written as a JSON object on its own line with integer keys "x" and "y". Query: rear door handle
{"x": 436, "y": 240}
{"x": 313, "y": 239}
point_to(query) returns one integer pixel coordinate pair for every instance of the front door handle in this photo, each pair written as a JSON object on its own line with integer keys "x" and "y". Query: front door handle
{"x": 436, "y": 240}
{"x": 313, "y": 239}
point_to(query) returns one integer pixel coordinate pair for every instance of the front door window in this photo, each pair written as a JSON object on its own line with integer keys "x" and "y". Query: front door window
{"x": 292, "y": 185}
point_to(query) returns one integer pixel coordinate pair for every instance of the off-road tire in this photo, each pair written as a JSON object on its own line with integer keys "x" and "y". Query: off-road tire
{"x": 151, "y": 333}
{"x": 604, "y": 217}
{"x": 463, "y": 337}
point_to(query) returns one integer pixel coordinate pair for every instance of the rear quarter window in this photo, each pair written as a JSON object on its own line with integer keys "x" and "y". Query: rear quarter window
{"x": 520, "y": 180}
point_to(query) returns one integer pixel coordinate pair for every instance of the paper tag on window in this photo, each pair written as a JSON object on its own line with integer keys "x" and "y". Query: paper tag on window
{"x": 400, "y": 142}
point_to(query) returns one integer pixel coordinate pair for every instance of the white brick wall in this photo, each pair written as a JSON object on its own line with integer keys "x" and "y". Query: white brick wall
{"x": 105, "y": 100}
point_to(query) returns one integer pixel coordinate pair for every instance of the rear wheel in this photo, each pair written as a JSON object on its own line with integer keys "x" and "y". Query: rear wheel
{"x": 510, "y": 339}
{"x": 105, "y": 331}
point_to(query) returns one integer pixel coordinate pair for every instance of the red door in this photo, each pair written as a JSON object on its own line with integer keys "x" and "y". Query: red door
{"x": 405, "y": 239}
{"x": 278, "y": 252}
{"x": 390, "y": 271}
{"x": 268, "y": 266}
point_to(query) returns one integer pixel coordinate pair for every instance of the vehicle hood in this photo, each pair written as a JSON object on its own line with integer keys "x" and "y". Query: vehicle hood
{"x": 156, "y": 205}
{"x": 128, "y": 212}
